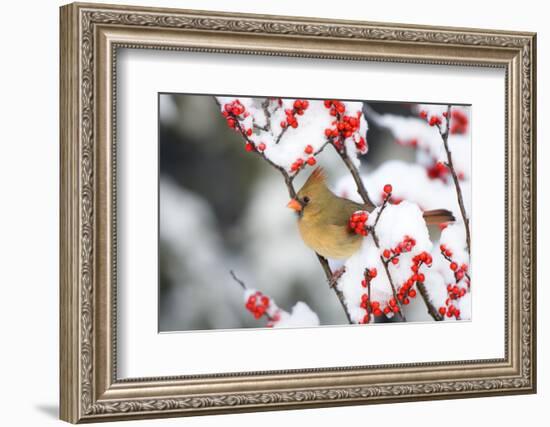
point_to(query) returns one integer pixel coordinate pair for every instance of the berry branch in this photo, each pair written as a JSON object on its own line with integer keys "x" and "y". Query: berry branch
{"x": 288, "y": 179}
{"x": 258, "y": 310}
{"x": 344, "y": 127}
{"x": 444, "y": 132}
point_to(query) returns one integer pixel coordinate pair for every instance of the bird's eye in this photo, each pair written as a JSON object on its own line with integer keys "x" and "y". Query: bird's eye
{"x": 306, "y": 200}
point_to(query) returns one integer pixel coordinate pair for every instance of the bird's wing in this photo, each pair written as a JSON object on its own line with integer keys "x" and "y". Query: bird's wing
{"x": 342, "y": 210}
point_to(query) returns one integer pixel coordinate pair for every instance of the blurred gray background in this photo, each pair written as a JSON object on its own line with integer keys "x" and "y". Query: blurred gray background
{"x": 222, "y": 209}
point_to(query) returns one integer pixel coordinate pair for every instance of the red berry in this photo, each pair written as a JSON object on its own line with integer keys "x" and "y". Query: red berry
{"x": 423, "y": 114}
{"x": 412, "y": 293}
{"x": 249, "y": 147}
{"x": 373, "y": 272}
{"x": 261, "y": 146}
{"x": 249, "y": 132}
{"x": 442, "y": 311}
{"x": 283, "y": 124}
{"x": 387, "y": 188}
{"x": 453, "y": 266}
{"x": 395, "y": 260}
{"x": 308, "y": 149}
{"x": 311, "y": 161}
{"x": 386, "y": 253}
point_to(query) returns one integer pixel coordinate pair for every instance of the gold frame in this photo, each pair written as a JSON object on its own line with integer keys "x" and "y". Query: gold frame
{"x": 90, "y": 36}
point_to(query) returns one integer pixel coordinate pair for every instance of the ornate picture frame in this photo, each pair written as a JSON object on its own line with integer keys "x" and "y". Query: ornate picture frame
{"x": 90, "y": 37}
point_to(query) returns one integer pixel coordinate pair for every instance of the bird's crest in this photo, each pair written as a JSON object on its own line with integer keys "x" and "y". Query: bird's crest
{"x": 315, "y": 182}
{"x": 318, "y": 176}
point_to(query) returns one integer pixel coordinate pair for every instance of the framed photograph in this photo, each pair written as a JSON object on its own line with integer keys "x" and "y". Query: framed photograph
{"x": 267, "y": 212}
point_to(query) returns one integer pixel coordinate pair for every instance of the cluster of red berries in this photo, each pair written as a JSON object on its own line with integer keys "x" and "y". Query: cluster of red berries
{"x": 450, "y": 311}
{"x": 438, "y": 170}
{"x": 434, "y": 120}
{"x": 235, "y": 112}
{"x": 406, "y": 245}
{"x": 392, "y": 306}
{"x": 371, "y": 307}
{"x": 406, "y": 291}
{"x": 459, "y": 271}
{"x": 370, "y": 274}
{"x": 299, "y": 106}
{"x": 454, "y": 291}
{"x": 336, "y": 107}
{"x": 257, "y": 304}
{"x": 459, "y": 122}
{"x": 358, "y": 222}
{"x": 344, "y": 126}
{"x": 300, "y": 162}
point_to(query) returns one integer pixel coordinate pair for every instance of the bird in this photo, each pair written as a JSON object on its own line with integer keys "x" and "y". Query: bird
{"x": 323, "y": 218}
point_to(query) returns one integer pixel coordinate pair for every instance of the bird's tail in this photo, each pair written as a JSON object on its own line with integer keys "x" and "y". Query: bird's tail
{"x": 438, "y": 216}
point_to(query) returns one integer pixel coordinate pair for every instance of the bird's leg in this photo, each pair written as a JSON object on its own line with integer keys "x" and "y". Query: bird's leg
{"x": 336, "y": 274}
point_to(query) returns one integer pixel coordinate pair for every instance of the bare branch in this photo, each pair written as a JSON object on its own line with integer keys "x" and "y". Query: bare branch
{"x": 445, "y": 137}
{"x": 236, "y": 279}
{"x": 356, "y": 177}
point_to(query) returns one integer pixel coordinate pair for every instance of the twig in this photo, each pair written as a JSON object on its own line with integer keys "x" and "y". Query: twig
{"x": 388, "y": 274}
{"x": 356, "y": 177}
{"x": 265, "y": 107}
{"x": 292, "y": 193}
{"x": 445, "y": 137}
{"x": 368, "y": 279}
{"x": 278, "y": 139}
{"x": 328, "y": 273}
{"x": 451, "y": 261}
{"x": 243, "y": 285}
{"x": 239, "y": 281}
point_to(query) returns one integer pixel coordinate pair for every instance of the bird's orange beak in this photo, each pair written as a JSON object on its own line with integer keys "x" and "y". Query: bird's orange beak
{"x": 294, "y": 204}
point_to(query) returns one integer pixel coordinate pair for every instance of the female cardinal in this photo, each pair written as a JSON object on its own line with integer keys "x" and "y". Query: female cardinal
{"x": 323, "y": 218}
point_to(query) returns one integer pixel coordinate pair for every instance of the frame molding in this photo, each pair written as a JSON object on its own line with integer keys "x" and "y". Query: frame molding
{"x": 90, "y": 36}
